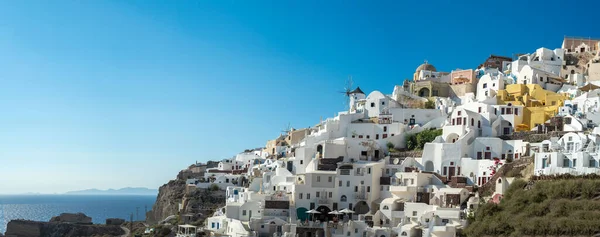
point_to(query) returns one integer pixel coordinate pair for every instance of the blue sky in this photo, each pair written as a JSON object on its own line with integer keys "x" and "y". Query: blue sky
{"x": 108, "y": 94}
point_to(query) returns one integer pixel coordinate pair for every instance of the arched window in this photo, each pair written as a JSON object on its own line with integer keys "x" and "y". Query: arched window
{"x": 479, "y": 124}
{"x": 403, "y": 233}
{"x": 499, "y": 181}
{"x": 343, "y": 198}
{"x": 472, "y": 122}
{"x": 386, "y": 207}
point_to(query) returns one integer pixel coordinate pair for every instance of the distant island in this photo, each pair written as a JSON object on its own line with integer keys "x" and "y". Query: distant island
{"x": 122, "y": 191}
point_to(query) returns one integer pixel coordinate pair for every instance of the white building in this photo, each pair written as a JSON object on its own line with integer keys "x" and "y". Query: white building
{"x": 573, "y": 153}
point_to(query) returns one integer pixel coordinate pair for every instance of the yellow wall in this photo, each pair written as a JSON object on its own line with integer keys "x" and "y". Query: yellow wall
{"x": 540, "y": 105}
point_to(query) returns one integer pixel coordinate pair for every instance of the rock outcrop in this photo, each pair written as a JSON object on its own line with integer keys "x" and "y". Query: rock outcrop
{"x": 25, "y": 228}
{"x": 75, "y": 218}
{"x": 197, "y": 203}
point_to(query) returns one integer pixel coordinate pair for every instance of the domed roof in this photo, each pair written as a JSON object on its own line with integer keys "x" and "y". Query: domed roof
{"x": 426, "y": 66}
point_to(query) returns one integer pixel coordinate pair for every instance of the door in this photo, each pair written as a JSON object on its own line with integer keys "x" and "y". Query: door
{"x": 544, "y": 163}
{"x": 451, "y": 172}
{"x": 376, "y": 154}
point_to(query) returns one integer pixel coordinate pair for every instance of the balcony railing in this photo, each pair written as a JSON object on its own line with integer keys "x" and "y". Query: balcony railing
{"x": 323, "y": 201}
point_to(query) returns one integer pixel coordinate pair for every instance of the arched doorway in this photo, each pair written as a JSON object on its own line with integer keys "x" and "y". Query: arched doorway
{"x": 361, "y": 208}
{"x": 424, "y": 92}
{"x": 451, "y": 138}
{"x": 429, "y": 166}
{"x": 320, "y": 151}
{"x": 324, "y": 213}
{"x": 301, "y": 213}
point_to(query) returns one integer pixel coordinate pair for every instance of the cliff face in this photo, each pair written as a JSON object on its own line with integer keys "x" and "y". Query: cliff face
{"x": 24, "y": 228}
{"x": 197, "y": 203}
{"x": 167, "y": 202}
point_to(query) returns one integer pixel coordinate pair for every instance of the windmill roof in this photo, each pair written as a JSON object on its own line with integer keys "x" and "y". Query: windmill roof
{"x": 357, "y": 91}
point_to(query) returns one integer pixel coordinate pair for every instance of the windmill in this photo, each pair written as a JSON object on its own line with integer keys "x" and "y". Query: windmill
{"x": 287, "y": 129}
{"x": 347, "y": 91}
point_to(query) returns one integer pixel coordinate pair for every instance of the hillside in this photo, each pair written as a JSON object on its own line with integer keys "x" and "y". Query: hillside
{"x": 551, "y": 206}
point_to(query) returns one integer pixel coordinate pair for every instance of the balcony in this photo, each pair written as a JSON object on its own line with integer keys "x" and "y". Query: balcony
{"x": 324, "y": 201}
{"x": 361, "y": 196}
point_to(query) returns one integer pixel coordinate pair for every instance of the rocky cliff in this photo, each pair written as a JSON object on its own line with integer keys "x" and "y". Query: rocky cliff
{"x": 197, "y": 203}
{"x": 25, "y": 228}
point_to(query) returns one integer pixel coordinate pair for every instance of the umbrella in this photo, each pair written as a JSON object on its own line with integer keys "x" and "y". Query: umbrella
{"x": 346, "y": 211}
{"x": 313, "y": 212}
{"x": 335, "y": 213}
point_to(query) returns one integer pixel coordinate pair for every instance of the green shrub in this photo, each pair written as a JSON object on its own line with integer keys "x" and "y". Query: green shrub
{"x": 214, "y": 187}
{"x": 430, "y": 104}
{"x": 549, "y": 208}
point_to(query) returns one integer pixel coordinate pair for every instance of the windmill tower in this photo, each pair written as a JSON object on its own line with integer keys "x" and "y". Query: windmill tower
{"x": 351, "y": 96}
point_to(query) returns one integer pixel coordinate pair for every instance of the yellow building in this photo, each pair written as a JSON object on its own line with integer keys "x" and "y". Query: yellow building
{"x": 540, "y": 105}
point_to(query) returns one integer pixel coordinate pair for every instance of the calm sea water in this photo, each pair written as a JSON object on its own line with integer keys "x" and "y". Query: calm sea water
{"x": 44, "y": 207}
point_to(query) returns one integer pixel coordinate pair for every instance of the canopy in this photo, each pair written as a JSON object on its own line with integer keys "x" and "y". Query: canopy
{"x": 589, "y": 87}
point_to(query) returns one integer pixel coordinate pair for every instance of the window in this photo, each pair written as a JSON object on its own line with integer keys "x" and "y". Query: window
{"x": 330, "y": 179}
{"x": 355, "y": 230}
{"x": 360, "y": 136}
{"x": 574, "y": 162}
{"x": 484, "y": 85}
{"x": 369, "y": 171}
{"x": 487, "y": 148}
{"x": 414, "y": 213}
{"x": 343, "y": 198}
{"x": 385, "y": 128}
{"x": 340, "y": 183}
{"x": 372, "y": 105}
{"x": 243, "y": 212}
{"x": 353, "y": 136}
{"x": 444, "y": 220}
{"x": 368, "y": 189}
{"x": 412, "y": 181}
{"x": 317, "y": 194}
{"x": 472, "y": 122}
{"x": 496, "y": 111}
{"x": 348, "y": 183}
{"x": 479, "y": 124}
{"x": 479, "y": 155}
{"x": 301, "y": 162}
{"x": 384, "y": 136}
{"x": 459, "y": 113}
{"x": 516, "y": 111}
{"x": 376, "y": 136}
{"x": 444, "y": 173}
{"x": 368, "y": 136}
{"x": 355, "y": 189}
{"x": 501, "y": 110}
{"x": 386, "y": 207}
{"x": 592, "y": 163}
{"x": 382, "y": 102}
{"x": 300, "y": 196}
{"x": 479, "y": 109}
{"x": 318, "y": 178}
{"x": 330, "y": 194}
{"x": 566, "y": 163}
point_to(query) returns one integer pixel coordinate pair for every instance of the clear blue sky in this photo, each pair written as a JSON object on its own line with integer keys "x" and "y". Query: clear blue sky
{"x": 108, "y": 94}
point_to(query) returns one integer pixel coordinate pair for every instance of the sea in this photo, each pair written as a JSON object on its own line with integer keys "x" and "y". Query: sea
{"x": 98, "y": 207}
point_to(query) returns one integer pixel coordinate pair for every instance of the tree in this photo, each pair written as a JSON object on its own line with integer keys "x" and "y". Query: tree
{"x": 411, "y": 142}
